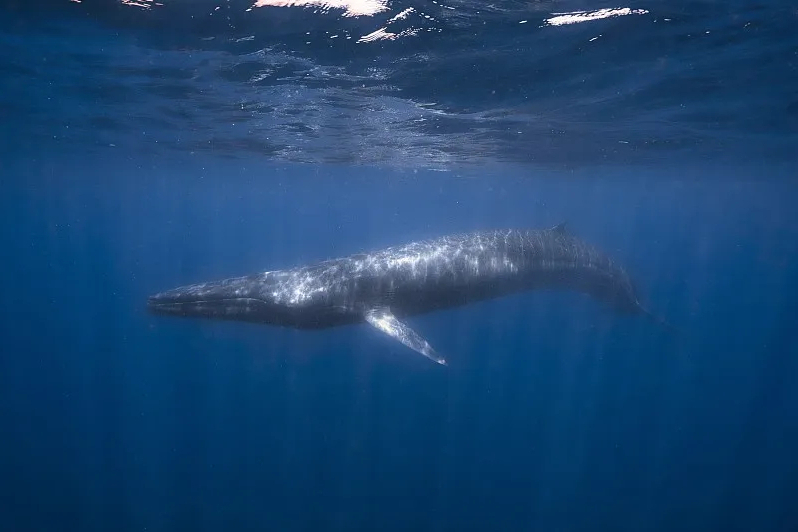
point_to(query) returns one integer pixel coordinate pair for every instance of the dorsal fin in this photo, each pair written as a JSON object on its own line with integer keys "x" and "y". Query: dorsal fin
{"x": 560, "y": 229}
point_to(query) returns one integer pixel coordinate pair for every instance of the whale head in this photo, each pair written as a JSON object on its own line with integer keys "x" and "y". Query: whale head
{"x": 241, "y": 299}
{"x": 273, "y": 298}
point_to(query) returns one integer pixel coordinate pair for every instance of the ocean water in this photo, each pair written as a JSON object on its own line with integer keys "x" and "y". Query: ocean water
{"x": 146, "y": 145}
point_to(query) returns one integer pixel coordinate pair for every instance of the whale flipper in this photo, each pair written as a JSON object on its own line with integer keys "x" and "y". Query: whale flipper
{"x": 383, "y": 320}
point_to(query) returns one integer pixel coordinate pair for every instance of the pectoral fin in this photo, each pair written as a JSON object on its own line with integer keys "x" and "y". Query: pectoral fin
{"x": 382, "y": 319}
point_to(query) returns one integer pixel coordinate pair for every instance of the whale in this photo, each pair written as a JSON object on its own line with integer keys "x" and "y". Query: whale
{"x": 385, "y": 287}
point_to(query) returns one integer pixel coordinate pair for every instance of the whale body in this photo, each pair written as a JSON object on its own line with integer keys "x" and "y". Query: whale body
{"x": 384, "y": 287}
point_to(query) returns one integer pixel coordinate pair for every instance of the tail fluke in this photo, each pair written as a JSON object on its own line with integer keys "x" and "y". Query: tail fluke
{"x": 659, "y": 320}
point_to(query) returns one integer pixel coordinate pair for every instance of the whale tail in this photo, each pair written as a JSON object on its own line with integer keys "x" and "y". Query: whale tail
{"x": 659, "y": 320}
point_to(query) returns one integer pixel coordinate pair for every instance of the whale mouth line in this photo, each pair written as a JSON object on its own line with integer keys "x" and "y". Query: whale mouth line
{"x": 178, "y": 303}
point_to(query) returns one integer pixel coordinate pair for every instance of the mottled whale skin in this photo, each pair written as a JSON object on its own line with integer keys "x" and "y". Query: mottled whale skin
{"x": 386, "y": 286}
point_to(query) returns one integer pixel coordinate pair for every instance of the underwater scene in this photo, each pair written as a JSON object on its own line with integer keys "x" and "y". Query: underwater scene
{"x": 399, "y": 265}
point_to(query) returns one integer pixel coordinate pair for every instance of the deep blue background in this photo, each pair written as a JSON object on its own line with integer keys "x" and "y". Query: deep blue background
{"x": 142, "y": 149}
{"x": 554, "y": 413}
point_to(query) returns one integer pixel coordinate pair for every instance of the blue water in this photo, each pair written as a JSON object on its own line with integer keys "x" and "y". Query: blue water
{"x": 146, "y": 147}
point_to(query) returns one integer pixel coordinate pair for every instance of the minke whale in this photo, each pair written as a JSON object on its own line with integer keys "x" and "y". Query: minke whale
{"x": 384, "y": 287}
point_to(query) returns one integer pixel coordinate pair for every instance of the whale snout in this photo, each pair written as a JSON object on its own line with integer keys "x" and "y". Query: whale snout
{"x": 213, "y": 300}
{"x": 180, "y": 302}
